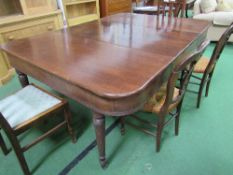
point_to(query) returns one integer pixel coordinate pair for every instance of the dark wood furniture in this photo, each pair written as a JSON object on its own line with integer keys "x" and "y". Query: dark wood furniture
{"x": 145, "y": 2}
{"x": 112, "y": 66}
{"x": 162, "y": 7}
{"x": 149, "y": 7}
{"x": 169, "y": 99}
{"x": 22, "y": 110}
{"x": 110, "y": 7}
{"x": 189, "y": 5}
{"x": 206, "y": 66}
{"x": 175, "y": 7}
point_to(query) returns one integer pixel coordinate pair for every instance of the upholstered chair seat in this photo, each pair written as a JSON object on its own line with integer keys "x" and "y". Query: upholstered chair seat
{"x": 205, "y": 66}
{"x": 152, "y": 10}
{"x": 24, "y": 109}
{"x": 155, "y": 103}
{"x": 201, "y": 65}
{"x": 26, "y": 104}
{"x": 168, "y": 100}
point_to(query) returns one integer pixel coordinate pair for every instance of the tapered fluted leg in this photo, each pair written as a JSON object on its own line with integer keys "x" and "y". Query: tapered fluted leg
{"x": 99, "y": 124}
{"x": 23, "y": 79}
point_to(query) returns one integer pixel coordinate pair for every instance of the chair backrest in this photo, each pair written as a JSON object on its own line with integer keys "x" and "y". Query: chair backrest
{"x": 218, "y": 49}
{"x": 184, "y": 68}
{"x": 172, "y": 7}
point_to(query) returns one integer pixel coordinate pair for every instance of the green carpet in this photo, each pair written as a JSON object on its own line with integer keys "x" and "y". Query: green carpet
{"x": 204, "y": 145}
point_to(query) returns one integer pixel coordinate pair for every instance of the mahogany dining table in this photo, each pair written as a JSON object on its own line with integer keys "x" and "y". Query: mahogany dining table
{"x": 112, "y": 65}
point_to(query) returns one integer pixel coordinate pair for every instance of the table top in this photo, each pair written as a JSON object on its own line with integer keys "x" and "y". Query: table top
{"x": 114, "y": 57}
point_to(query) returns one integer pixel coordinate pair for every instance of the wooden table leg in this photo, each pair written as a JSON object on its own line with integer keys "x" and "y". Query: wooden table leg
{"x": 23, "y": 79}
{"x": 99, "y": 124}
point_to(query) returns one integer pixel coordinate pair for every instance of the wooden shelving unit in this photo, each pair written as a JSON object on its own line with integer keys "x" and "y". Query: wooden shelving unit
{"x": 80, "y": 11}
{"x": 110, "y": 7}
{"x": 24, "y": 18}
{"x": 26, "y": 7}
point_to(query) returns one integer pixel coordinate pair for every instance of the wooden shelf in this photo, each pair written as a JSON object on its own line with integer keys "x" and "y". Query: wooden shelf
{"x": 110, "y": 7}
{"x": 19, "y": 17}
{"x": 79, "y": 2}
{"x": 26, "y": 7}
{"x": 25, "y": 18}
{"x": 82, "y": 19}
{"x": 80, "y": 11}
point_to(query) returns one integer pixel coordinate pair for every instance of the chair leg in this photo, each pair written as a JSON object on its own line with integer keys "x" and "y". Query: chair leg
{"x": 208, "y": 85}
{"x": 200, "y": 92}
{"x": 177, "y": 118}
{"x": 159, "y": 133}
{"x": 186, "y": 12}
{"x": 122, "y": 125}
{"x": 181, "y": 78}
{"x": 20, "y": 156}
{"x": 3, "y": 145}
{"x": 67, "y": 115}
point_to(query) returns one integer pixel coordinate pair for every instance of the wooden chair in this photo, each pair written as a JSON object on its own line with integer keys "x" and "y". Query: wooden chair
{"x": 172, "y": 7}
{"x": 168, "y": 100}
{"x": 189, "y": 5}
{"x": 206, "y": 66}
{"x": 23, "y": 109}
{"x": 148, "y": 7}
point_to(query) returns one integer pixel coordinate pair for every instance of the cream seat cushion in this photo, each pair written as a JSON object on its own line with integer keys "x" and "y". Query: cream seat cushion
{"x": 229, "y": 2}
{"x": 223, "y": 18}
{"x": 224, "y": 6}
{"x": 208, "y": 6}
{"x": 218, "y": 18}
{"x": 205, "y": 16}
{"x": 26, "y": 104}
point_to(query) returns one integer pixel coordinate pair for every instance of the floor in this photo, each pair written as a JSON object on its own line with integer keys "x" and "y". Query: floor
{"x": 204, "y": 145}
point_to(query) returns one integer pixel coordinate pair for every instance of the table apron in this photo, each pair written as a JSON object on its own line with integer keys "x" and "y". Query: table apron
{"x": 105, "y": 105}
